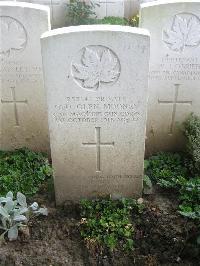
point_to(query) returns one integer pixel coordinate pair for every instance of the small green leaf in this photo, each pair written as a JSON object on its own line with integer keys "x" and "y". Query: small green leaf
{"x": 23, "y": 210}
{"x": 21, "y": 199}
{"x": 3, "y": 200}
{"x": 9, "y": 195}
{"x": 147, "y": 181}
{"x": 42, "y": 211}
{"x": 13, "y": 233}
{"x": 4, "y": 212}
{"x": 146, "y": 164}
{"x": 20, "y": 218}
{"x": 2, "y": 236}
{"x": 9, "y": 205}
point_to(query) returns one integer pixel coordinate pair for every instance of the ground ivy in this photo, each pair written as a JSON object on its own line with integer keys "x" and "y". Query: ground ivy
{"x": 23, "y": 170}
{"x": 107, "y": 223}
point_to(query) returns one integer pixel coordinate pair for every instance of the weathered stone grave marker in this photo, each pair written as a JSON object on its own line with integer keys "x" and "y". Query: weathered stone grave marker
{"x": 96, "y": 81}
{"x": 107, "y": 8}
{"x": 14, "y": 101}
{"x": 119, "y": 8}
{"x": 22, "y": 103}
{"x": 174, "y": 90}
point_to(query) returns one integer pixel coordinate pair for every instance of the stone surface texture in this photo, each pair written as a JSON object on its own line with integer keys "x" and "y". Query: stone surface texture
{"x": 23, "y": 111}
{"x": 174, "y": 90}
{"x": 96, "y": 82}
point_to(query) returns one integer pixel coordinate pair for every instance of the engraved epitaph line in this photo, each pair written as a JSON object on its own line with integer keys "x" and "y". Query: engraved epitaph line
{"x": 98, "y": 145}
{"x": 174, "y": 105}
{"x": 14, "y": 102}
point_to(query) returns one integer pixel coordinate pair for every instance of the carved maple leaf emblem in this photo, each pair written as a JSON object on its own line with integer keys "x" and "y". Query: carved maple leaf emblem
{"x": 12, "y": 36}
{"x": 96, "y": 68}
{"x": 185, "y": 32}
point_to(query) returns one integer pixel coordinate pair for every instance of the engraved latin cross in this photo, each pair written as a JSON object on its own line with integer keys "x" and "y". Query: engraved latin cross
{"x": 98, "y": 145}
{"x": 14, "y": 101}
{"x": 174, "y": 104}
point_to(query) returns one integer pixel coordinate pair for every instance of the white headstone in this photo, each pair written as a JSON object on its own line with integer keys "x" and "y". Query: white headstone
{"x": 109, "y": 8}
{"x": 23, "y": 112}
{"x": 96, "y": 81}
{"x": 174, "y": 86}
{"x": 58, "y": 10}
{"x": 113, "y": 8}
{"x": 131, "y": 8}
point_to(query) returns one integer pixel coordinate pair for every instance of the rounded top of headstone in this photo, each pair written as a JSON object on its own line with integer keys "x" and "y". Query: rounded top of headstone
{"x": 24, "y": 5}
{"x": 166, "y": 2}
{"x": 95, "y": 28}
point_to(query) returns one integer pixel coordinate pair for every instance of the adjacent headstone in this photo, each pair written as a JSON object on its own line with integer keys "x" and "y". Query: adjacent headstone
{"x": 96, "y": 81}
{"x": 58, "y": 10}
{"x": 174, "y": 86}
{"x": 131, "y": 8}
{"x": 23, "y": 110}
{"x": 108, "y": 8}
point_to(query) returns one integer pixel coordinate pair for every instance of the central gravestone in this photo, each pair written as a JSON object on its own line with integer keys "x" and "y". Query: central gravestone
{"x": 96, "y": 81}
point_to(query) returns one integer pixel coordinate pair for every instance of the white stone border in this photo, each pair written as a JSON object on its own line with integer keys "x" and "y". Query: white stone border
{"x": 161, "y": 2}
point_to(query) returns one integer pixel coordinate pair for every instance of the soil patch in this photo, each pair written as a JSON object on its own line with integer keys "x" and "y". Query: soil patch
{"x": 163, "y": 237}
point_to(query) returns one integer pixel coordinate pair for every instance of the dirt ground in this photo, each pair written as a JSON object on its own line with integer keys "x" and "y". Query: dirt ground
{"x": 162, "y": 238}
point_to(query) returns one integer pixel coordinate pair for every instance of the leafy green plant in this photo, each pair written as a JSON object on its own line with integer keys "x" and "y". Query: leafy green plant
{"x": 182, "y": 173}
{"x": 23, "y": 170}
{"x": 147, "y": 184}
{"x": 107, "y": 222}
{"x": 80, "y": 12}
{"x": 15, "y": 214}
{"x": 191, "y": 130}
{"x": 167, "y": 169}
{"x": 190, "y": 198}
{"x": 113, "y": 21}
{"x": 190, "y": 189}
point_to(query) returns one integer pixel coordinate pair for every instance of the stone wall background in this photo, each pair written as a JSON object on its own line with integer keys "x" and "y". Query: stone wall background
{"x": 117, "y": 8}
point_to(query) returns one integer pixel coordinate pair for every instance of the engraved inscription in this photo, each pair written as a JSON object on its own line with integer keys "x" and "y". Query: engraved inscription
{"x": 14, "y": 102}
{"x": 13, "y": 36}
{"x": 174, "y": 104}
{"x": 113, "y": 177}
{"x": 98, "y": 145}
{"x": 175, "y": 69}
{"x": 184, "y": 32}
{"x": 14, "y": 72}
{"x": 109, "y": 109}
{"x": 97, "y": 66}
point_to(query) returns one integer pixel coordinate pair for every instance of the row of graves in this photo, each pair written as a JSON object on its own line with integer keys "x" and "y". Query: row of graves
{"x": 92, "y": 96}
